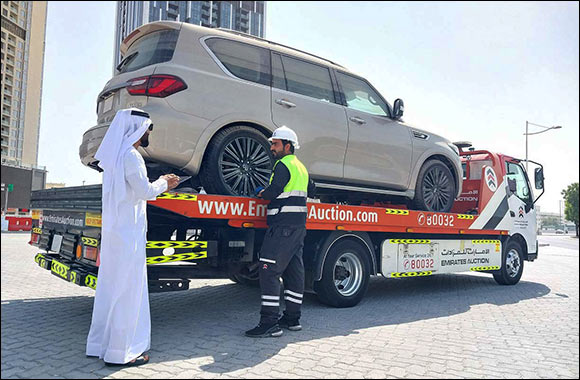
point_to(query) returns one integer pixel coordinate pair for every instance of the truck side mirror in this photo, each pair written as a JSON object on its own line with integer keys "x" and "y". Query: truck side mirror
{"x": 512, "y": 185}
{"x": 398, "y": 109}
{"x": 539, "y": 178}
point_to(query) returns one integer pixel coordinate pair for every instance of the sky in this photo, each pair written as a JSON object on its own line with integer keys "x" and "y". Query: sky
{"x": 466, "y": 71}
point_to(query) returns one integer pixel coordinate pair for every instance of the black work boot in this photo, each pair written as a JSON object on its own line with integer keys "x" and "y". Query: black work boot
{"x": 265, "y": 330}
{"x": 289, "y": 323}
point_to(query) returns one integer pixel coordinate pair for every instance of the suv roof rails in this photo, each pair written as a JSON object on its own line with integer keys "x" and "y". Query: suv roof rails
{"x": 277, "y": 44}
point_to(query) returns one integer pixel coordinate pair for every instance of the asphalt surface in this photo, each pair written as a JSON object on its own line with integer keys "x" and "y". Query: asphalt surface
{"x": 443, "y": 326}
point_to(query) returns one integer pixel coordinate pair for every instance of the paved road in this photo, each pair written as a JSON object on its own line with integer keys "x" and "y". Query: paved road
{"x": 446, "y": 326}
{"x": 560, "y": 241}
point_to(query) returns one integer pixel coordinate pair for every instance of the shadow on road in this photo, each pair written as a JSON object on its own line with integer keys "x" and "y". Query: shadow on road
{"x": 209, "y": 322}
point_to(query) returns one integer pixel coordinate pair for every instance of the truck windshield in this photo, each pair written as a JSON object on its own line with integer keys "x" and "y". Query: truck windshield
{"x": 156, "y": 47}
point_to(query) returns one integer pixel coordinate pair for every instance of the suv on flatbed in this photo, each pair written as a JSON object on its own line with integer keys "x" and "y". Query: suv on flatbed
{"x": 215, "y": 96}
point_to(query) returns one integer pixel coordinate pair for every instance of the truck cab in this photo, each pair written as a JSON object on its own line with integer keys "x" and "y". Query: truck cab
{"x": 497, "y": 188}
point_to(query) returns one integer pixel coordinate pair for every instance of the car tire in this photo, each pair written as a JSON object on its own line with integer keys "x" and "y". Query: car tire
{"x": 512, "y": 266}
{"x": 345, "y": 275}
{"x": 236, "y": 162}
{"x": 436, "y": 188}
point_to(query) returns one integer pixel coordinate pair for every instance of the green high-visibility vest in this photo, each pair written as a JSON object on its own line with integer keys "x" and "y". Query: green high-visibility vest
{"x": 298, "y": 174}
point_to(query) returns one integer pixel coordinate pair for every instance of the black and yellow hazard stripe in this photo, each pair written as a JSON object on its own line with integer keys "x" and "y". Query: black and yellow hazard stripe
{"x": 409, "y": 241}
{"x": 37, "y": 230}
{"x": 60, "y": 269}
{"x": 486, "y": 241}
{"x": 90, "y": 241}
{"x": 91, "y": 281}
{"x": 182, "y": 196}
{"x": 41, "y": 260}
{"x": 412, "y": 274}
{"x": 73, "y": 277}
{"x": 177, "y": 257}
{"x": 465, "y": 216}
{"x": 394, "y": 211}
{"x": 477, "y": 269}
{"x": 177, "y": 244}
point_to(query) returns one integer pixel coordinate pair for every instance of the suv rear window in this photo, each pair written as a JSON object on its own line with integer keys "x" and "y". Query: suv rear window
{"x": 242, "y": 60}
{"x": 156, "y": 47}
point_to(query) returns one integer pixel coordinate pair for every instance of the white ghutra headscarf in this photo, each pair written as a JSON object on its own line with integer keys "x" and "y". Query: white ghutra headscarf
{"x": 128, "y": 126}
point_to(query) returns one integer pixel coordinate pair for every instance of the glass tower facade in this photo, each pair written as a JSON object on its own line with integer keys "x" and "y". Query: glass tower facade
{"x": 244, "y": 16}
{"x": 23, "y": 37}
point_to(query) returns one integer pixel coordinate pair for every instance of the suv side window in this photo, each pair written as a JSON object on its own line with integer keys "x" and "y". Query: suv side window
{"x": 307, "y": 79}
{"x": 515, "y": 174}
{"x": 242, "y": 60}
{"x": 360, "y": 95}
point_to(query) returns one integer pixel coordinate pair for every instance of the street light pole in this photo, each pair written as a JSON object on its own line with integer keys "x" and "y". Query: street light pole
{"x": 536, "y": 133}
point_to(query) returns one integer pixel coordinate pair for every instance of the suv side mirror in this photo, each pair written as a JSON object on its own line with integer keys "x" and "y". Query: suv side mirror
{"x": 539, "y": 178}
{"x": 398, "y": 109}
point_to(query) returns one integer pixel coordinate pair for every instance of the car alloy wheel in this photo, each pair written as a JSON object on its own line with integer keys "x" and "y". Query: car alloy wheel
{"x": 244, "y": 165}
{"x": 437, "y": 189}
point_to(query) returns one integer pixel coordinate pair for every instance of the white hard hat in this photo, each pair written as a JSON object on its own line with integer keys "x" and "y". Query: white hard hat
{"x": 285, "y": 133}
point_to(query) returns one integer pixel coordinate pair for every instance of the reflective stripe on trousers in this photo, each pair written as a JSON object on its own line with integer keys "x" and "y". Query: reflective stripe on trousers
{"x": 275, "y": 211}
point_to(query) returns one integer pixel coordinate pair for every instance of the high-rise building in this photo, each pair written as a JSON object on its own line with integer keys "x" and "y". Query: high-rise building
{"x": 244, "y": 16}
{"x": 23, "y": 36}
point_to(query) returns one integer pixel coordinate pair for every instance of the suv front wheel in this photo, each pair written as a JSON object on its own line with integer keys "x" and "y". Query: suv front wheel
{"x": 237, "y": 162}
{"x": 435, "y": 189}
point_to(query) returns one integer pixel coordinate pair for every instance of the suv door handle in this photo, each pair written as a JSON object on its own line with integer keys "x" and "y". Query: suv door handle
{"x": 357, "y": 120}
{"x": 284, "y": 102}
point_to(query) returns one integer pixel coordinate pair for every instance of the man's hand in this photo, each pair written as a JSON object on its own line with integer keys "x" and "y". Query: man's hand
{"x": 258, "y": 192}
{"x": 172, "y": 181}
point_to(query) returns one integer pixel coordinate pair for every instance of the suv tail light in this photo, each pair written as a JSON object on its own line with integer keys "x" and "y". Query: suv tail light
{"x": 158, "y": 86}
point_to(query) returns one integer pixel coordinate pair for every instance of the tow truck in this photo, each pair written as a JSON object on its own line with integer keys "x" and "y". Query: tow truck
{"x": 491, "y": 229}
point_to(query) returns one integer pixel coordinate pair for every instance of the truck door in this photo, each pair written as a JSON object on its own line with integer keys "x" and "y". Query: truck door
{"x": 305, "y": 100}
{"x": 521, "y": 204}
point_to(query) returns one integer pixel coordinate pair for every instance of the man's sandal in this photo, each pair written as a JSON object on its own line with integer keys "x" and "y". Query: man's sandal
{"x": 143, "y": 359}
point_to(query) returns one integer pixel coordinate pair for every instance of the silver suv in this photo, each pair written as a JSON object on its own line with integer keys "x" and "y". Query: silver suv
{"x": 215, "y": 96}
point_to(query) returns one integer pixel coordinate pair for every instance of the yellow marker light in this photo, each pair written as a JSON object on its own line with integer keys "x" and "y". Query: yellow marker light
{"x": 247, "y": 225}
{"x": 79, "y": 252}
{"x": 409, "y": 230}
{"x": 340, "y": 228}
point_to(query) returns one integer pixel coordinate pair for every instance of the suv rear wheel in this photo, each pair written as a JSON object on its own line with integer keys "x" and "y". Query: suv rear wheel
{"x": 435, "y": 189}
{"x": 237, "y": 161}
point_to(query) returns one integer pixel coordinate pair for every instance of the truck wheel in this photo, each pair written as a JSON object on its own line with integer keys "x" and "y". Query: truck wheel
{"x": 345, "y": 276}
{"x": 237, "y": 161}
{"x": 512, "y": 265}
{"x": 435, "y": 189}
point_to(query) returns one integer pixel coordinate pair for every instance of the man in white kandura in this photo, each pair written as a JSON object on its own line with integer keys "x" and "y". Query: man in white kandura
{"x": 120, "y": 331}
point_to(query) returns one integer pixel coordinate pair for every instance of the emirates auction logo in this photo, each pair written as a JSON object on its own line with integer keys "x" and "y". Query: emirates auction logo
{"x": 491, "y": 179}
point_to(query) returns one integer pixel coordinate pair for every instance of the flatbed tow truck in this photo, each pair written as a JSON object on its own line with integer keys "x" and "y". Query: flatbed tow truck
{"x": 491, "y": 229}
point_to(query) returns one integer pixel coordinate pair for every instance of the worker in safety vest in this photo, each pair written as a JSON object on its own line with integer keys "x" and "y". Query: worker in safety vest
{"x": 281, "y": 253}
